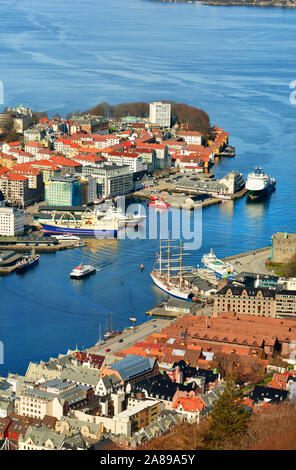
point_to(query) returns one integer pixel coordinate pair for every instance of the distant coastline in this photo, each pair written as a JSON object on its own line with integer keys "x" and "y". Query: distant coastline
{"x": 248, "y": 3}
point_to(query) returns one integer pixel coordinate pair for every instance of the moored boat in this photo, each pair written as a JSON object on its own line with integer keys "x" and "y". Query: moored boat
{"x": 159, "y": 204}
{"x": 88, "y": 225}
{"x": 27, "y": 262}
{"x": 164, "y": 276}
{"x": 219, "y": 267}
{"x": 259, "y": 185}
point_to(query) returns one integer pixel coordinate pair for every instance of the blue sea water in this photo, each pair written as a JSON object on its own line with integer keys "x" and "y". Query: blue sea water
{"x": 236, "y": 63}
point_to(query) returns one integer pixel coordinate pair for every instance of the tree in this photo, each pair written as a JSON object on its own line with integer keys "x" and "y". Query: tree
{"x": 228, "y": 420}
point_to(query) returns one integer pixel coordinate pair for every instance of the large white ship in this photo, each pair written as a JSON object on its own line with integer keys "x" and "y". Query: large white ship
{"x": 259, "y": 184}
{"x": 221, "y": 269}
{"x": 117, "y": 213}
{"x": 167, "y": 276}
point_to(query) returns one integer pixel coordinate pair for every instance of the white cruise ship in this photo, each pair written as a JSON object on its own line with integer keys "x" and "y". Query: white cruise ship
{"x": 82, "y": 271}
{"x": 222, "y": 270}
{"x": 259, "y": 184}
{"x": 117, "y": 213}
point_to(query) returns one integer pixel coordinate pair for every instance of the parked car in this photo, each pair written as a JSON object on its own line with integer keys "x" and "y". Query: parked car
{"x": 107, "y": 350}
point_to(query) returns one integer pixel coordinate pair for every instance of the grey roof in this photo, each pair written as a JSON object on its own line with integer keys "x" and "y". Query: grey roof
{"x": 71, "y": 396}
{"x": 110, "y": 380}
{"x": 59, "y": 384}
{"x": 41, "y": 435}
{"x": 133, "y": 366}
{"x": 81, "y": 374}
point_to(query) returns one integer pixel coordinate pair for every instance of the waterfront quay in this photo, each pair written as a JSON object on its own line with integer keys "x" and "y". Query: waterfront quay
{"x": 38, "y": 244}
{"x": 181, "y": 191}
{"x": 252, "y": 261}
{"x": 129, "y": 336}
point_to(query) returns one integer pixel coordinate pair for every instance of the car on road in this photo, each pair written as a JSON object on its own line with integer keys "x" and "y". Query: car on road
{"x": 120, "y": 340}
{"x": 107, "y": 350}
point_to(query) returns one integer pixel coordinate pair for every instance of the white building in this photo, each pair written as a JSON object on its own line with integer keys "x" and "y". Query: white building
{"x": 160, "y": 113}
{"x": 192, "y": 137}
{"x": 11, "y": 221}
{"x": 132, "y": 159}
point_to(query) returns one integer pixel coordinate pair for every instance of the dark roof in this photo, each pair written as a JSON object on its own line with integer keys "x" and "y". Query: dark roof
{"x": 193, "y": 372}
{"x": 160, "y": 386}
{"x": 273, "y": 394}
{"x": 251, "y": 291}
{"x": 61, "y": 208}
{"x": 101, "y": 445}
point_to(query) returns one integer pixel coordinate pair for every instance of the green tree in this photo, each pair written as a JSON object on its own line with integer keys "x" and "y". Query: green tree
{"x": 228, "y": 421}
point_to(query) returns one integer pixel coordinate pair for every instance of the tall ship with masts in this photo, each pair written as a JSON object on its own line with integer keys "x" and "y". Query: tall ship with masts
{"x": 109, "y": 333}
{"x": 167, "y": 274}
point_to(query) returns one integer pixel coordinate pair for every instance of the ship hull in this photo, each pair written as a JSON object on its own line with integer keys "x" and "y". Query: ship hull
{"x": 27, "y": 266}
{"x": 220, "y": 275}
{"x": 260, "y": 194}
{"x": 173, "y": 291}
{"x": 82, "y": 276}
{"x": 94, "y": 233}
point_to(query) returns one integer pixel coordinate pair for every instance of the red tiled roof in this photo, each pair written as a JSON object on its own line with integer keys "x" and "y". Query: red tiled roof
{"x": 14, "y": 177}
{"x": 63, "y": 161}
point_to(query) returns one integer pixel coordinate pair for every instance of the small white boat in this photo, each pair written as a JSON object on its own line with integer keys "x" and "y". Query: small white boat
{"x": 133, "y": 319}
{"x": 82, "y": 271}
{"x": 66, "y": 237}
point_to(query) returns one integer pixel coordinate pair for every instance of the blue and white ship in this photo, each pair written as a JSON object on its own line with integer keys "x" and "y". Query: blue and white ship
{"x": 221, "y": 269}
{"x": 88, "y": 225}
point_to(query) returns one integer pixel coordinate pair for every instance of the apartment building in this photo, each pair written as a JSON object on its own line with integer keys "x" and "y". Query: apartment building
{"x": 112, "y": 180}
{"x": 132, "y": 159}
{"x": 192, "y": 137}
{"x": 260, "y": 301}
{"x": 160, "y": 113}
{"x": 11, "y": 221}
{"x": 53, "y": 398}
{"x": 63, "y": 191}
{"x": 15, "y": 189}
{"x": 248, "y": 300}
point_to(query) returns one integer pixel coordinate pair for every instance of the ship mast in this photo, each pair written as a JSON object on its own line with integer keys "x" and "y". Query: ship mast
{"x": 180, "y": 263}
{"x": 160, "y": 256}
{"x": 168, "y": 260}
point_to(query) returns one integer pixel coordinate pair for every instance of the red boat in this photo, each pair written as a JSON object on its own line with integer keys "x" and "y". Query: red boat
{"x": 159, "y": 204}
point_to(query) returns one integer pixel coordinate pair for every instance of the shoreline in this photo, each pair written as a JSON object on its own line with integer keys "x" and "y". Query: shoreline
{"x": 233, "y": 4}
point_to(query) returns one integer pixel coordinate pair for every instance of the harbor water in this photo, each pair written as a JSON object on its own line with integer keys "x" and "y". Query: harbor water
{"x": 236, "y": 63}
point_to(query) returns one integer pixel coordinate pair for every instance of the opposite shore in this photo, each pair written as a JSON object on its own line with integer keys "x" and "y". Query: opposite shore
{"x": 260, "y": 3}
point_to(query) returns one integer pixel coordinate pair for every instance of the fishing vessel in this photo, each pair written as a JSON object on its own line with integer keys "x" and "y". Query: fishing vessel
{"x": 220, "y": 268}
{"x": 167, "y": 275}
{"x": 88, "y": 224}
{"x": 259, "y": 184}
{"x": 82, "y": 271}
{"x": 27, "y": 262}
